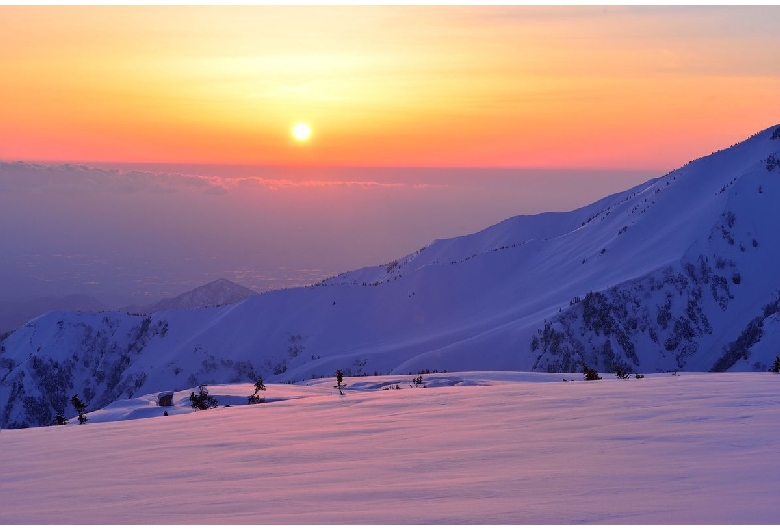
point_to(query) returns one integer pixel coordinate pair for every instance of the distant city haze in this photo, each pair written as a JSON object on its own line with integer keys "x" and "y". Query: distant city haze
{"x": 133, "y": 233}
{"x": 300, "y": 126}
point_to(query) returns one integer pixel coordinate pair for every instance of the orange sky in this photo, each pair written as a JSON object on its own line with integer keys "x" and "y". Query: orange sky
{"x": 403, "y": 86}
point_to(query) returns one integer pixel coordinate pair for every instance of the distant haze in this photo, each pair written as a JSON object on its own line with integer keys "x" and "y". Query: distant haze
{"x": 615, "y": 94}
{"x": 137, "y": 233}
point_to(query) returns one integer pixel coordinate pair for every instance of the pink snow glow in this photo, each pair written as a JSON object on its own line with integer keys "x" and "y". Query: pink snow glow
{"x": 470, "y": 448}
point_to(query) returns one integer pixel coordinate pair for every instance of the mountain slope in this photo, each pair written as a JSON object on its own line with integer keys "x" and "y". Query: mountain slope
{"x": 677, "y": 273}
{"x": 218, "y": 292}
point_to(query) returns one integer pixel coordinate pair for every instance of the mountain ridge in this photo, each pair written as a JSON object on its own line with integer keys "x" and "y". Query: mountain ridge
{"x": 217, "y": 292}
{"x": 668, "y": 275}
{"x": 16, "y": 313}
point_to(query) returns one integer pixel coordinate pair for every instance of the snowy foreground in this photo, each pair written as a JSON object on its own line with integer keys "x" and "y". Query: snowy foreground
{"x": 479, "y": 447}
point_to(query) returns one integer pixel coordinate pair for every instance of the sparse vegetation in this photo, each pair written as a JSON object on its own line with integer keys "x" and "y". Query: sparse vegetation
{"x": 590, "y": 374}
{"x": 772, "y": 162}
{"x": 296, "y": 347}
{"x": 340, "y": 381}
{"x": 80, "y": 407}
{"x": 280, "y": 368}
{"x": 621, "y": 373}
{"x": 255, "y": 398}
{"x": 202, "y": 400}
{"x": 740, "y": 348}
{"x": 776, "y": 365}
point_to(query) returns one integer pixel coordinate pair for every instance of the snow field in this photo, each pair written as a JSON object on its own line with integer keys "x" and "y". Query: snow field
{"x": 493, "y": 447}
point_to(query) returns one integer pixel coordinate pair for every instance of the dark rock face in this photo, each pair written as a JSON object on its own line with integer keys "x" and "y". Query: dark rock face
{"x": 165, "y": 399}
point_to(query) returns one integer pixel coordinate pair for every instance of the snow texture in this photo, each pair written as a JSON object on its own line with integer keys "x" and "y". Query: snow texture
{"x": 503, "y": 448}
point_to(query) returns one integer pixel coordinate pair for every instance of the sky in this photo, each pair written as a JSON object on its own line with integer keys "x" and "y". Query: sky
{"x": 426, "y": 122}
{"x": 574, "y": 87}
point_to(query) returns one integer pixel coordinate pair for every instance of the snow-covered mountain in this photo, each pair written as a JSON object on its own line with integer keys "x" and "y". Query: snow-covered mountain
{"x": 678, "y": 273}
{"x": 218, "y": 292}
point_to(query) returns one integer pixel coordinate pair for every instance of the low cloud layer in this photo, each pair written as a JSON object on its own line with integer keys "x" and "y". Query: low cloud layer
{"x": 75, "y": 178}
{"x": 22, "y": 176}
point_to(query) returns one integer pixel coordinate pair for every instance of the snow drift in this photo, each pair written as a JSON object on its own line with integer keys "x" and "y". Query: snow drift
{"x": 501, "y": 448}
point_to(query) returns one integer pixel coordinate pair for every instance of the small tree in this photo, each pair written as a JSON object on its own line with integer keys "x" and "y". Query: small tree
{"x": 255, "y": 398}
{"x": 80, "y": 409}
{"x": 589, "y": 373}
{"x": 340, "y": 381}
{"x": 202, "y": 400}
{"x": 60, "y": 419}
{"x": 776, "y": 365}
{"x": 621, "y": 373}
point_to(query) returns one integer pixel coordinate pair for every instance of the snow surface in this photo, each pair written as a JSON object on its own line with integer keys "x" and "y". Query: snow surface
{"x": 470, "y": 448}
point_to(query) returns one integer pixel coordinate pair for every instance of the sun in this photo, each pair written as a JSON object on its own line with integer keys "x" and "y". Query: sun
{"x": 301, "y": 132}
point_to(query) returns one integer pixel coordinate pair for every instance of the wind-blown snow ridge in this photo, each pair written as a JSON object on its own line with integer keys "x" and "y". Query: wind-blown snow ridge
{"x": 675, "y": 274}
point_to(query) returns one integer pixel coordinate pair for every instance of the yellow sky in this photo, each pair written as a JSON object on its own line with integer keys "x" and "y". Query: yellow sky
{"x": 433, "y": 86}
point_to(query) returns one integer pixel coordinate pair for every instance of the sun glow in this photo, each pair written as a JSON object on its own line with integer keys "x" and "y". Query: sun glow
{"x": 393, "y": 85}
{"x": 301, "y": 132}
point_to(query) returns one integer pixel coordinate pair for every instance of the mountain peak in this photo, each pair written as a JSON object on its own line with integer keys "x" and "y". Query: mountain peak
{"x": 215, "y": 293}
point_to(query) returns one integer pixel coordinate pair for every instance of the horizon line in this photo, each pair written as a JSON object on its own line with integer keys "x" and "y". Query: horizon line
{"x": 327, "y": 166}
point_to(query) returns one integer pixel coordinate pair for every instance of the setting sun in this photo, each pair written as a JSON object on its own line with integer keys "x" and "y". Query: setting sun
{"x": 301, "y": 132}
